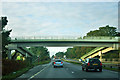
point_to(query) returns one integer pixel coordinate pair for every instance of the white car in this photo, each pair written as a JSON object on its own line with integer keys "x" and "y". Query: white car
{"x": 58, "y": 63}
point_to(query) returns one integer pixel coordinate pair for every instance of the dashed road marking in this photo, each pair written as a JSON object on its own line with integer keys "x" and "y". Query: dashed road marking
{"x": 72, "y": 72}
{"x": 66, "y": 68}
{"x": 110, "y": 71}
{"x": 114, "y": 71}
{"x": 37, "y": 73}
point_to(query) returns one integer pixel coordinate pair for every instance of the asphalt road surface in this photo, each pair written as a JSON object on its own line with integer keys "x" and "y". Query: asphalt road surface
{"x": 68, "y": 72}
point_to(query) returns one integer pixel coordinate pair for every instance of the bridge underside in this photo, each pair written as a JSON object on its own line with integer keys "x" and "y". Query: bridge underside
{"x": 63, "y": 44}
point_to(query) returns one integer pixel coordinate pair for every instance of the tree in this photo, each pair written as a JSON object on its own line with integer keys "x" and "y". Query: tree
{"x": 41, "y": 52}
{"x": 5, "y": 35}
{"x": 59, "y": 54}
{"x": 77, "y": 52}
{"x": 104, "y": 31}
{"x": 53, "y": 56}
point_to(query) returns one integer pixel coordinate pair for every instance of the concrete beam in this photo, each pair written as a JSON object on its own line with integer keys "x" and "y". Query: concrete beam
{"x": 23, "y": 51}
{"x": 96, "y": 42}
{"x": 15, "y": 55}
{"x": 98, "y": 52}
{"x": 26, "y": 51}
{"x": 116, "y": 46}
{"x": 9, "y": 54}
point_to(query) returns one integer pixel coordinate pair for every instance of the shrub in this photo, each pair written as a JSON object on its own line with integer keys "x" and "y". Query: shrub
{"x": 9, "y": 66}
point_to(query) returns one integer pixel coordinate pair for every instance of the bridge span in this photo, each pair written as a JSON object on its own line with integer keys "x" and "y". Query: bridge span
{"x": 65, "y": 41}
{"x": 21, "y": 42}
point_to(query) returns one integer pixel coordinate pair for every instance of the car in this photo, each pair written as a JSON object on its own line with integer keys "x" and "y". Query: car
{"x": 58, "y": 63}
{"x": 92, "y": 63}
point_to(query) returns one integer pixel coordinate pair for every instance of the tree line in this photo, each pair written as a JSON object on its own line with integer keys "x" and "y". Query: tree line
{"x": 78, "y": 52}
{"x": 41, "y": 52}
{"x": 75, "y": 52}
{"x": 4, "y": 36}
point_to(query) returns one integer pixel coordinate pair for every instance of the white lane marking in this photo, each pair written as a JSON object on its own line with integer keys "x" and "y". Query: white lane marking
{"x": 72, "y": 72}
{"x": 68, "y": 63}
{"x": 112, "y": 71}
{"x": 37, "y": 73}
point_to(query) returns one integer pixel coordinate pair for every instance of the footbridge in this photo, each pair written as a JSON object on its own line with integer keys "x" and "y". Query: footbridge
{"x": 19, "y": 43}
{"x": 65, "y": 41}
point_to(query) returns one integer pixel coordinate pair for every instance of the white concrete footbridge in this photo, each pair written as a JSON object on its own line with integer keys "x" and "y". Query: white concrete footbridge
{"x": 62, "y": 41}
{"x": 65, "y": 41}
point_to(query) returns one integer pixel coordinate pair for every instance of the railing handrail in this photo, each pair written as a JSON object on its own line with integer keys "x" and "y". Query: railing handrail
{"x": 63, "y": 37}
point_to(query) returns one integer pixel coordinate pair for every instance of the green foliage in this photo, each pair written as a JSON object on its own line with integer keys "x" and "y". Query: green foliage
{"x": 60, "y": 54}
{"x": 77, "y": 52}
{"x": 112, "y": 54}
{"x": 41, "y": 52}
{"x": 13, "y": 66}
{"x": 104, "y": 31}
{"x": 3, "y": 22}
{"x": 5, "y": 35}
{"x": 19, "y": 72}
{"x": 53, "y": 56}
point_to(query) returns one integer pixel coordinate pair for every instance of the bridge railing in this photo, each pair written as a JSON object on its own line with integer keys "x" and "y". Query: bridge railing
{"x": 63, "y": 37}
{"x": 101, "y": 37}
{"x": 43, "y": 37}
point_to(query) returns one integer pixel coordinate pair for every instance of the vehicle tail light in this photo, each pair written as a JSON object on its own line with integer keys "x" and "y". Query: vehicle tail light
{"x": 61, "y": 62}
{"x": 101, "y": 64}
{"x": 88, "y": 64}
{"x": 54, "y": 62}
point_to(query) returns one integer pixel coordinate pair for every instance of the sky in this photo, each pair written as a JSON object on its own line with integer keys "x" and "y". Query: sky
{"x": 58, "y": 18}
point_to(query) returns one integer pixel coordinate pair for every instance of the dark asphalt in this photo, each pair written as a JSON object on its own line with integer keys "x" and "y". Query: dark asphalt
{"x": 68, "y": 72}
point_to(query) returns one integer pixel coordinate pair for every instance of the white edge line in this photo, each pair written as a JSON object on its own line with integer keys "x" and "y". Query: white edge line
{"x": 37, "y": 73}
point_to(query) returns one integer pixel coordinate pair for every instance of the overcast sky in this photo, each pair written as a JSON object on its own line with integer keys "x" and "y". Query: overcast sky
{"x": 58, "y": 18}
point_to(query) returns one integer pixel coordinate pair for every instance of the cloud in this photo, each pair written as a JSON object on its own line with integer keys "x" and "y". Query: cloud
{"x": 60, "y": 1}
{"x": 58, "y": 19}
{"x": 31, "y": 18}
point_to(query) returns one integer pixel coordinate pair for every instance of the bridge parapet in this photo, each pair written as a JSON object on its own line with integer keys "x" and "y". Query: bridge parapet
{"x": 64, "y": 37}
{"x": 102, "y": 37}
{"x": 44, "y": 37}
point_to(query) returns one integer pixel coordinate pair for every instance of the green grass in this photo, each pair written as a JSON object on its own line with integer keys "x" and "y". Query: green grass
{"x": 12, "y": 76}
{"x": 112, "y": 69}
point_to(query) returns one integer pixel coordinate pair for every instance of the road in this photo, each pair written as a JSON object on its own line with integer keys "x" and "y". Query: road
{"x": 68, "y": 72}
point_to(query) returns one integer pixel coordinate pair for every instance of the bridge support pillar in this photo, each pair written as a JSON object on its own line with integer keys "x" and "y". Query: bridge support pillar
{"x": 101, "y": 58}
{"x": 9, "y": 54}
{"x": 116, "y": 46}
{"x": 100, "y": 54}
{"x": 15, "y": 55}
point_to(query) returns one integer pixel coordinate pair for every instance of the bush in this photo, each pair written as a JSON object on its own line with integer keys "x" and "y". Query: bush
{"x": 9, "y": 66}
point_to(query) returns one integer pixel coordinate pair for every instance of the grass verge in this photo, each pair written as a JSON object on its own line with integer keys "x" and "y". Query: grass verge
{"x": 107, "y": 68}
{"x": 16, "y": 74}
{"x": 112, "y": 69}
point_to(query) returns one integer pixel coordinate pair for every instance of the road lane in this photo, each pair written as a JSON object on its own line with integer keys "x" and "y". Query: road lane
{"x": 51, "y": 72}
{"x": 68, "y": 71}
